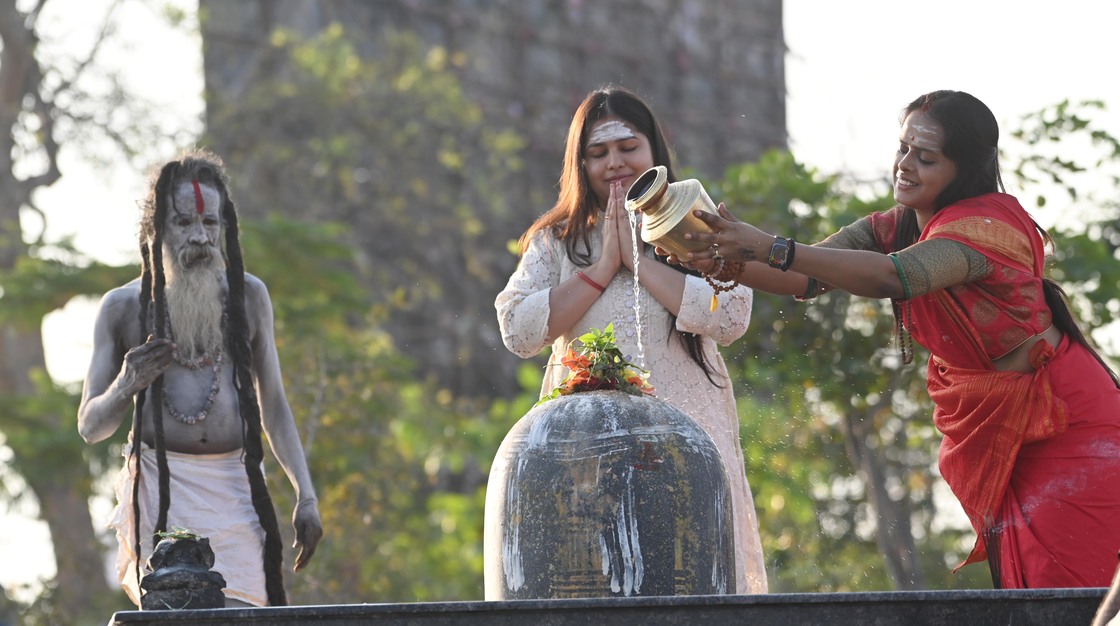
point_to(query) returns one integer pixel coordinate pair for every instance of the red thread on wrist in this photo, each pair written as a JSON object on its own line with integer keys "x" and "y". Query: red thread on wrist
{"x": 587, "y": 279}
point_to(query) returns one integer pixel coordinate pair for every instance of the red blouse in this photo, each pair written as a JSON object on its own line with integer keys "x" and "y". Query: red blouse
{"x": 1003, "y": 309}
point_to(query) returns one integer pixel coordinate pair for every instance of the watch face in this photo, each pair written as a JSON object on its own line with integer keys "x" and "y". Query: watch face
{"x": 778, "y": 253}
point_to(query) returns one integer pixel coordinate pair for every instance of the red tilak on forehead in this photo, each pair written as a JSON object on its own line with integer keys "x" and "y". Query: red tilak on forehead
{"x": 199, "y": 205}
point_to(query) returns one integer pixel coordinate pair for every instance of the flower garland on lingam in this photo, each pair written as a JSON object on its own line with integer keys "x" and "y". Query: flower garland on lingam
{"x": 597, "y": 364}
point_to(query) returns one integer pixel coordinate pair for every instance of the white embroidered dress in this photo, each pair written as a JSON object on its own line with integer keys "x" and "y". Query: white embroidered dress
{"x": 523, "y": 309}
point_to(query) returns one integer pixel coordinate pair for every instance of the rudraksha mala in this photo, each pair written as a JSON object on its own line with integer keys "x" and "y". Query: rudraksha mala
{"x": 725, "y": 278}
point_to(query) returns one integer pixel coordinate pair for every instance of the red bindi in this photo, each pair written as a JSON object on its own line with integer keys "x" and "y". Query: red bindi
{"x": 199, "y": 205}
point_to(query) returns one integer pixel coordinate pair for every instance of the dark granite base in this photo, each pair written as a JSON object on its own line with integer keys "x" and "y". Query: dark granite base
{"x": 1042, "y": 607}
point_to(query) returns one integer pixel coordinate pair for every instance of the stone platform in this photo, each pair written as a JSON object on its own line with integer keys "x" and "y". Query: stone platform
{"x": 1042, "y": 607}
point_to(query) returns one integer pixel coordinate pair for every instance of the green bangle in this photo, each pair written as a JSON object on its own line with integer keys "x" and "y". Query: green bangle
{"x": 811, "y": 287}
{"x": 901, "y": 276}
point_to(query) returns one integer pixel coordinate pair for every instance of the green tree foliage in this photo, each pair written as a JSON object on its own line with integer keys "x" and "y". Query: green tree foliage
{"x": 56, "y": 97}
{"x": 399, "y": 464}
{"x": 386, "y": 142}
{"x": 1077, "y": 196}
{"x": 389, "y": 174}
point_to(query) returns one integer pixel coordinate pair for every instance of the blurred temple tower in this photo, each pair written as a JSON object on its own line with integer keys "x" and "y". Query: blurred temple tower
{"x": 712, "y": 69}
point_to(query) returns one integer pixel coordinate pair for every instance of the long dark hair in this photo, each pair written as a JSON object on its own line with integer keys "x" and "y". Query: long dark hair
{"x": 206, "y": 168}
{"x": 972, "y": 142}
{"x": 576, "y": 212}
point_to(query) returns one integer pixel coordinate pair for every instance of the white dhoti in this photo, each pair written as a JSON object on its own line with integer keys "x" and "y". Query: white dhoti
{"x": 209, "y": 496}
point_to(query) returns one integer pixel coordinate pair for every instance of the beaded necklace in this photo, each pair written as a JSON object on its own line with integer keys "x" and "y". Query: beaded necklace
{"x": 902, "y": 330}
{"x": 215, "y": 386}
{"x": 204, "y": 360}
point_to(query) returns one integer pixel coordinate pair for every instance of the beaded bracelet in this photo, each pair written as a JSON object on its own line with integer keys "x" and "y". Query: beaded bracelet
{"x": 715, "y": 278}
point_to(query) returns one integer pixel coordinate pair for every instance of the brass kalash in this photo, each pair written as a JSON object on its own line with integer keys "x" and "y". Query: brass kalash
{"x": 667, "y": 214}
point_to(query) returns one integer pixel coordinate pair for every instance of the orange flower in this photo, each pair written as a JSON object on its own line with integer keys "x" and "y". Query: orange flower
{"x": 599, "y": 364}
{"x": 575, "y": 361}
{"x": 577, "y": 378}
{"x": 641, "y": 384}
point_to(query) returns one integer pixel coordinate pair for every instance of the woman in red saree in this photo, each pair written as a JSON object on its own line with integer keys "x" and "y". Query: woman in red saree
{"x": 1029, "y": 411}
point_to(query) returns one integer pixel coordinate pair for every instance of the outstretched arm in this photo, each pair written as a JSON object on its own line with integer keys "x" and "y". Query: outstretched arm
{"x": 115, "y": 376}
{"x": 859, "y": 272}
{"x": 279, "y": 423}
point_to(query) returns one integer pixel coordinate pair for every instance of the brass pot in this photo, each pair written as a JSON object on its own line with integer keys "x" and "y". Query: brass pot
{"x": 667, "y": 208}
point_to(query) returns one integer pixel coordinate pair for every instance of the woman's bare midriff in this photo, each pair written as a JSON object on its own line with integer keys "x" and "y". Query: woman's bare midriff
{"x": 1019, "y": 359}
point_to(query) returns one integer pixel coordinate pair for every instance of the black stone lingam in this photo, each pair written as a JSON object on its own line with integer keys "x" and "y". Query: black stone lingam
{"x": 180, "y": 576}
{"x": 606, "y": 494}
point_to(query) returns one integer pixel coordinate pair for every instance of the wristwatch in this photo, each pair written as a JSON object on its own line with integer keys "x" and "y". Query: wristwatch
{"x": 781, "y": 253}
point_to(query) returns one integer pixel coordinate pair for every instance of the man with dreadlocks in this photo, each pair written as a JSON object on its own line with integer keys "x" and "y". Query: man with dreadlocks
{"x": 189, "y": 346}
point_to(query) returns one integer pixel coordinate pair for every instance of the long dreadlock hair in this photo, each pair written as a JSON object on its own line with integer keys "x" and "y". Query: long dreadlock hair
{"x": 204, "y": 167}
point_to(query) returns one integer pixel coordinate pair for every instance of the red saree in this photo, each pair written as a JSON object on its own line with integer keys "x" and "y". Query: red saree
{"x": 1034, "y": 458}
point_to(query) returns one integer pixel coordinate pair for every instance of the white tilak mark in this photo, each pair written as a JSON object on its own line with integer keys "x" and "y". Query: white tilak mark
{"x": 612, "y": 130}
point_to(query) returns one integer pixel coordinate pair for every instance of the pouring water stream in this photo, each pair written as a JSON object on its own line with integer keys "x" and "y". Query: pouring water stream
{"x": 634, "y": 234}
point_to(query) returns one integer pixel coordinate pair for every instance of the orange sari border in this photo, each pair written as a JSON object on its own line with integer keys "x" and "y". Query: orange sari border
{"x": 996, "y": 225}
{"x": 995, "y": 237}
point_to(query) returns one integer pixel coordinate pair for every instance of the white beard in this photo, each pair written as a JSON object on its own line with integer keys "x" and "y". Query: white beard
{"x": 194, "y": 303}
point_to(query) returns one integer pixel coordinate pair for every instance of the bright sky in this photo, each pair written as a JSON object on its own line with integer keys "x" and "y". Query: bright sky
{"x": 851, "y": 68}
{"x": 853, "y": 65}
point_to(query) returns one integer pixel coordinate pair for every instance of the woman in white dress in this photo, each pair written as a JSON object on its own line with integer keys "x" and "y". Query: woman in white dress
{"x": 576, "y": 273}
